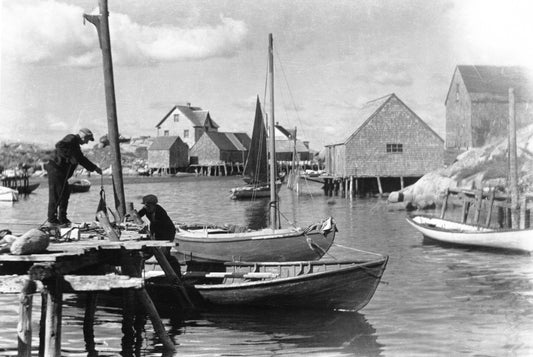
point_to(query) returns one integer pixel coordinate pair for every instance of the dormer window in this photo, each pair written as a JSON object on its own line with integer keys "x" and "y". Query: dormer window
{"x": 176, "y": 118}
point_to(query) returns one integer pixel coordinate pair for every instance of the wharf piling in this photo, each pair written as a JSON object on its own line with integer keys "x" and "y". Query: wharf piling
{"x": 77, "y": 267}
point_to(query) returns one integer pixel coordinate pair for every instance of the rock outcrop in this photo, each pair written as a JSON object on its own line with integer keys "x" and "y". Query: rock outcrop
{"x": 479, "y": 168}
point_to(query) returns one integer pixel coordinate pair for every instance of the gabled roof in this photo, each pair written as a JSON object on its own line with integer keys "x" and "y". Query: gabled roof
{"x": 196, "y": 115}
{"x": 163, "y": 142}
{"x": 485, "y": 83}
{"x": 288, "y": 146}
{"x": 230, "y": 141}
{"x": 370, "y": 109}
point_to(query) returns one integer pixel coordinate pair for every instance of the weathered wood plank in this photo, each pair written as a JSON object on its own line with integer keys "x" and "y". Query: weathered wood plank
{"x": 13, "y": 284}
{"x": 102, "y": 282}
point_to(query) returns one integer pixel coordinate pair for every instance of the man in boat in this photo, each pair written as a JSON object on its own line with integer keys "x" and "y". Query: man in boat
{"x": 60, "y": 168}
{"x": 161, "y": 226}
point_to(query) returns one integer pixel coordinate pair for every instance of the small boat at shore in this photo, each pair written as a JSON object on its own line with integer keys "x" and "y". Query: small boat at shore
{"x": 319, "y": 285}
{"x": 471, "y": 235}
{"x": 8, "y": 194}
{"x": 79, "y": 185}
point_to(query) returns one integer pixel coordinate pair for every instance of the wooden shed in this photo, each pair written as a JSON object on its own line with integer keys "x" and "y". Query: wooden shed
{"x": 477, "y": 104}
{"x": 389, "y": 142}
{"x": 220, "y": 148}
{"x": 168, "y": 154}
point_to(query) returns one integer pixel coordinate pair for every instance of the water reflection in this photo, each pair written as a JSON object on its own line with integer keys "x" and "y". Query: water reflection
{"x": 280, "y": 331}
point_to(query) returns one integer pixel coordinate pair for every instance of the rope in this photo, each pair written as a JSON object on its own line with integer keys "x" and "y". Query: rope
{"x": 358, "y": 250}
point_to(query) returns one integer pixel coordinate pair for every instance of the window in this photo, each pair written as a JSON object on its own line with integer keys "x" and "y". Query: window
{"x": 166, "y": 133}
{"x": 394, "y": 147}
{"x": 186, "y": 133}
{"x": 456, "y": 92}
{"x": 176, "y": 118}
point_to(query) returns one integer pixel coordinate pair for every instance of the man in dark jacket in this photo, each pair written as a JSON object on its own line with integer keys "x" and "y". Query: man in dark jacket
{"x": 66, "y": 158}
{"x": 161, "y": 226}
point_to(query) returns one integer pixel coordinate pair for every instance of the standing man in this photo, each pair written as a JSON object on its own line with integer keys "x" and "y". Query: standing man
{"x": 66, "y": 158}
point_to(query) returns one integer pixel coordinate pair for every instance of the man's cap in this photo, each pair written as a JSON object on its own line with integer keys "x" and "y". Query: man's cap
{"x": 88, "y": 133}
{"x": 149, "y": 199}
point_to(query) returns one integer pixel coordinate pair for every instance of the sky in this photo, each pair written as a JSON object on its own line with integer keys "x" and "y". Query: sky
{"x": 330, "y": 58}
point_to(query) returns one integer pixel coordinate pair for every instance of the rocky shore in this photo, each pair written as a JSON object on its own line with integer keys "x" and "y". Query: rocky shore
{"x": 480, "y": 168}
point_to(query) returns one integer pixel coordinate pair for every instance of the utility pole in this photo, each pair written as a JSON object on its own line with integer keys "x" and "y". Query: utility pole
{"x": 102, "y": 27}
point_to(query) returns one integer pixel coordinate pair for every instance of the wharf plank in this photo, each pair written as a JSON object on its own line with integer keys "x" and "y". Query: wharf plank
{"x": 13, "y": 284}
{"x": 102, "y": 282}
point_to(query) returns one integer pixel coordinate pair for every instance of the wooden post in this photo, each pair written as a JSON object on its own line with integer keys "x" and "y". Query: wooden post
{"x": 466, "y": 208}
{"x": 24, "y": 324}
{"x": 88, "y": 322}
{"x": 174, "y": 279}
{"x": 445, "y": 204}
{"x": 523, "y": 211}
{"x": 402, "y": 184}
{"x": 379, "y": 186}
{"x": 478, "y": 203}
{"x": 492, "y": 194}
{"x": 42, "y": 323}
{"x": 54, "y": 306}
{"x": 513, "y": 167}
{"x": 131, "y": 266}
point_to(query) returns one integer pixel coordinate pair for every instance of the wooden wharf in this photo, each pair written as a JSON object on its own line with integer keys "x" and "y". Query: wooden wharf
{"x": 81, "y": 266}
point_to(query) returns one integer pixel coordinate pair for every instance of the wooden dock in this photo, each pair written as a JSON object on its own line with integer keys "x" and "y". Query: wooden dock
{"x": 85, "y": 266}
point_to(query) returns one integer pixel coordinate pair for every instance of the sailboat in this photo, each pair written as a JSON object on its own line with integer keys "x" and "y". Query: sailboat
{"x": 462, "y": 233}
{"x": 256, "y": 167}
{"x": 205, "y": 243}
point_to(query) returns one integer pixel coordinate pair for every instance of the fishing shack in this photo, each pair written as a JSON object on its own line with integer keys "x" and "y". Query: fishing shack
{"x": 168, "y": 154}
{"x": 477, "y": 105}
{"x": 218, "y": 153}
{"x": 391, "y": 147}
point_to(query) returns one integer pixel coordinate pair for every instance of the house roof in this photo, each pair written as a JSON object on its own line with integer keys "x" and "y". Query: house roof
{"x": 288, "y": 145}
{"x": 230, "y": 141}
{"x": 492, "y": 83}
{"x": 163, "y": 142}
{"x": 196, "y": 115}
{"x": 370, "y": 109}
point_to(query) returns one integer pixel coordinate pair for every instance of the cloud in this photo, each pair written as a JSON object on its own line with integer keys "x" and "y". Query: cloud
{"x": 51, "y": 32}
{"x": 387, "y": 73}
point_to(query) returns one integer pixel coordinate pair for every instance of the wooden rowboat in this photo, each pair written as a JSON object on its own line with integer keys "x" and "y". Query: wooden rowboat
{"x": 317, "y": 285}
{"x": 219, "y": 244}
{"x": 472, "y": 235}
{"x": 79, "y": 185}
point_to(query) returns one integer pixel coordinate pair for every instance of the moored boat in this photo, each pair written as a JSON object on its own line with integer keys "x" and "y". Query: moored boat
{"x": 318, "y": 285}
{"x": 224, "y": 244}
{"x": 472, "y": 235}
{"x": 79, "y": 185}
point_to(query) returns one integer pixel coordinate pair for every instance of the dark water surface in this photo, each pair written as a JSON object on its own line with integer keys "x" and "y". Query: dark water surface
{"x": 433, "y": 300}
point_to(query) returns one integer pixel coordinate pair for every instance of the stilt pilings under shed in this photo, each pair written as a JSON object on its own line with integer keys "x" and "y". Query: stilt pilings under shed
{"x": 354, "y": 186}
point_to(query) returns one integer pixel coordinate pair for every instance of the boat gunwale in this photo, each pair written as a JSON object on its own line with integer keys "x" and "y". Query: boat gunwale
{"x": 489, "y": 230}
{"x": 350, "y": 266}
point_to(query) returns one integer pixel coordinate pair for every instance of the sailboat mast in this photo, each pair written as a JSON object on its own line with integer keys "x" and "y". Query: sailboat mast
{"x": 273, "y": 198}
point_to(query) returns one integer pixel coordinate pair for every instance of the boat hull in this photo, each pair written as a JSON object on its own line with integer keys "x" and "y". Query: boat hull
{"x": 266, "y": 245}
{"x": 317, "y": 285}
{"x": 469, "y": 235}
{"x": 348, "y": 288}
{"x": 80, "y": 186}
{"x": 251, "y": 192}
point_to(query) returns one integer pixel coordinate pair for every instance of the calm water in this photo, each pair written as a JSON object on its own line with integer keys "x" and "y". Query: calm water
{"x": 433, "y": 300}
